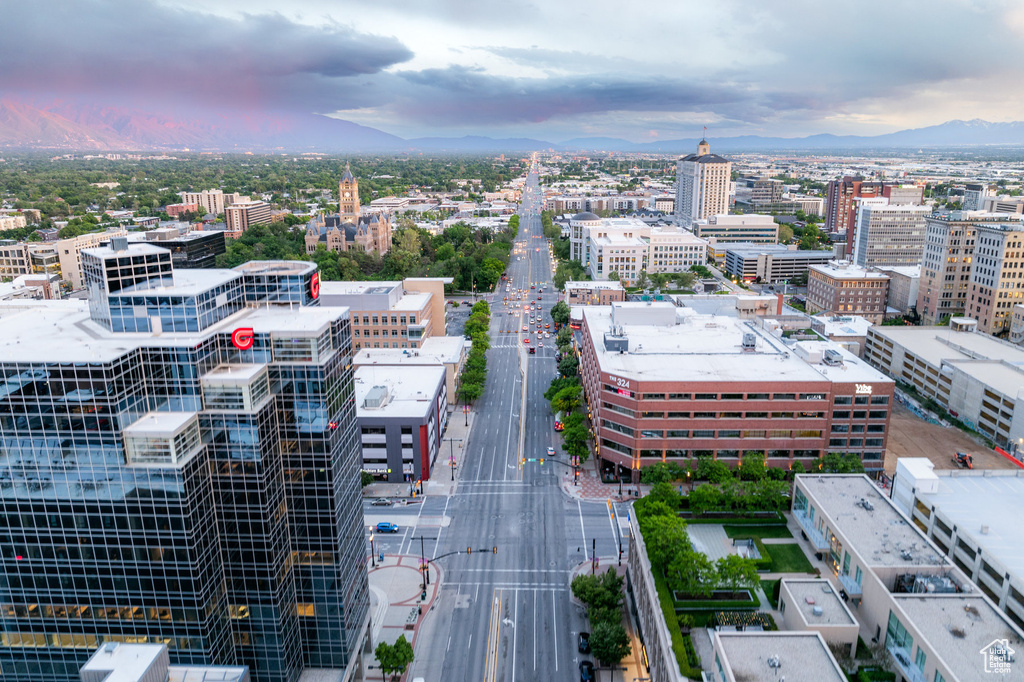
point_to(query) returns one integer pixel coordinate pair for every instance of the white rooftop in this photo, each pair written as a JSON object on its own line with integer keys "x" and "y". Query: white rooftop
{"x": 349, "y": 288}
{"x": 187, "y": 282}
{"x": 958, "y": 627}
{"x": 708, "y": 348}
{"x": 597, "y": 284}
{"x": 432, "y": 351}
{"x": 413, "y": 301}
{"x": 911, "y": 271}
{"x": 972, "y": 499}
{"x": 842, "y": 325}
{"x": 411, "y": 390}
{"x": 159, "y": 423}
{"x": 881, "y": 535}
{"x": 803, "y": 657}
{"x": 818, "y": 593}
{"x": 845, "y": 270}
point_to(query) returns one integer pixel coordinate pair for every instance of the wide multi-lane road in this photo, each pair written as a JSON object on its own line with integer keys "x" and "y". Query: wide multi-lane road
{"x": 507, "y": 616}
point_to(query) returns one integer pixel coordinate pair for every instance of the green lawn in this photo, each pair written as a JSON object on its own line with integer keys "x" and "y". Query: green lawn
{"x": 788, "y": 559}
{"x": 769, "y": 589}
{"x": 757, "y": 531}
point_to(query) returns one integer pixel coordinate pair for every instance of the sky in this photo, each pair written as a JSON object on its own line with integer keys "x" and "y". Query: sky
{"x": 553, "y": 70}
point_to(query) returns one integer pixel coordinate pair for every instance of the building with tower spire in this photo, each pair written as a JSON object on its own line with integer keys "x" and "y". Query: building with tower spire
{"x": 347, "y": 229}
{"x": 702, "y": 188}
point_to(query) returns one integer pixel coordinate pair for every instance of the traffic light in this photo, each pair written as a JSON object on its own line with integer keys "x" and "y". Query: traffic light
{"x": 495, "y": 550}
{"x": 469, "y": 550}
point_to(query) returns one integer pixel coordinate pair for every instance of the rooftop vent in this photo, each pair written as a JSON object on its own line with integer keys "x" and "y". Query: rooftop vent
{"x": 376, "y": 397}
{"x": 832, "y": 357}
{"x": 775, "y": 662}
{"x": 119, "y": 243}
{"x": 749, "y": 342}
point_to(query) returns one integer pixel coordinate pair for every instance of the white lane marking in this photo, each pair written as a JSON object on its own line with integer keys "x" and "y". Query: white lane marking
{"x": 515, "y": 617}
{"x": 554, "y": 619}
{"x": 583, "y": 531}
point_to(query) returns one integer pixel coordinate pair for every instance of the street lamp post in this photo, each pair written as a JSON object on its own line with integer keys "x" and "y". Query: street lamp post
{"x": 373, "y": 552}
{"x": 451, "y": 458}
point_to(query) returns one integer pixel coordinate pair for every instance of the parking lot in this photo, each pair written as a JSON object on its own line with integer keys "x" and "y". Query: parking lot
{"x": 910, "y": 436}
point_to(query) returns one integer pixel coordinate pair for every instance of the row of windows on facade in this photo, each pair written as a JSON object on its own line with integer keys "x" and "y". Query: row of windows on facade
{"x": 836, "y": 414}
{"x": 606, "y": 444}
{"x": 837, "y": 400}
{"x": 394, "y": 319}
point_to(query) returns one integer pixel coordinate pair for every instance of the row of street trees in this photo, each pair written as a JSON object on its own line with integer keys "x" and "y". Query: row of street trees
{"x": 602, "y": 595}
{"x": 474, "y": 374}
{"x": 566, "y": 392}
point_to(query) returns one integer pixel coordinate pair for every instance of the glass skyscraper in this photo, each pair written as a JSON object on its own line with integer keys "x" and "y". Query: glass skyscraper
{"x": 179, "y": 465}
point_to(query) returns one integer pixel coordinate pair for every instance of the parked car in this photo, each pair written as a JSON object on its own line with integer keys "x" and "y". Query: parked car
{"x": 381, "y": 502}
{"x": 387, "y": 527}
{"x": 584, "y": 639}
{"x": 586, "y": 671}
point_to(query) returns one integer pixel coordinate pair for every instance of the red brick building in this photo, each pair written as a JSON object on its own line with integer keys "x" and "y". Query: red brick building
{"x": 665, "y": 384}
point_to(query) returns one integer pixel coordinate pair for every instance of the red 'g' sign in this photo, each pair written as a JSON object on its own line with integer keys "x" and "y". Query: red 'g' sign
{"x": 242, "y": 338}
{"x": 314, "y": 285}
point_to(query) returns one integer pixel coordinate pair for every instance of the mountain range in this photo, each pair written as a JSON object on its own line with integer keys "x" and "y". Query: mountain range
{"x": 70, "y": 127}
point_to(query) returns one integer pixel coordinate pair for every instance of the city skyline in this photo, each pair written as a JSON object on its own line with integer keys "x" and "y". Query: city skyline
{"x": 551, "y": 72}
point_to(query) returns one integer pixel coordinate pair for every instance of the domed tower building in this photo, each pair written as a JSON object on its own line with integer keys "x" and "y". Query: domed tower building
{"x": 578, "y": 235}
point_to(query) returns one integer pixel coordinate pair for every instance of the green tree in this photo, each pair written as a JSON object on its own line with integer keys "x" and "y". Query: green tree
{"x": 613, "y": 276}
{"x": 693, "y": 573}
{"x": 735, "y": 572}
{"x": 836, "y": 463}
{"x": 560, "y": 313}
{"x": 610, "y": 643}
{"x": 568, "y": 399}
{"x": 785, "y": 234}
{"x": 394, "y": 658}
{"x": 666, "y": 492}
{"x": 684, "y": 280}
{"x": 713, "y": 470}
{"x": 642, "y": 280}
{"x": 366, "y": 478}
{"x": 574, "y": 441}
{"x": 569, "y": 366}
{"x": 69, "y": 231}
{"x": 798, "y": 468}
{"x": 662, "y": 471}
{"x": 752, "y": 466}
{"x": 564, "y": 339}
{"x": 704, "y": 498}
{"x": 664, "y": 537}
{"x": 701, "y": 271}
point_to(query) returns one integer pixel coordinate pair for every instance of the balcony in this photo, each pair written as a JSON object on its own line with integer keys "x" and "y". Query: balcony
{"x": 853, "y": 590}
{"x": 813, "y": 534}
{"x": 901, "y": 657}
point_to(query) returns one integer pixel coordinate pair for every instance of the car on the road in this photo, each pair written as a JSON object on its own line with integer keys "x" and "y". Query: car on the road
{"x": 547, "y": 326}
{"x": 551, "y": 453}
{"x": 525, "y": 328}
{"x": 532, "y": 286}
{"x": 583, "y": 643}
{"x": 381, "y": 502}
{"x": 538, "y": 298}
{"x": 526, "y": 340}
{"x": 387, "y": 527}
{"x": 586, "y": 671}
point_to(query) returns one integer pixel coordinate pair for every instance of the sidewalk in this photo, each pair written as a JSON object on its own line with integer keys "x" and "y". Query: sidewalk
{"x": 631, "y": 667}
{"x": 396, "y": 608}
{"x": 590, "y": 487}
{"x": 440, "y": 482}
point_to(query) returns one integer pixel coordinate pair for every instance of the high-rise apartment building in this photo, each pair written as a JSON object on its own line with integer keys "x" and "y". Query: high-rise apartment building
{"x": 242, "y": 215}
{"x": 212, "y": 200}
{"x": 997, "y": 276}
{"x": 702, "y": 185}
{"x": 180, "y": 466}
{"x": 888, "y": 234}
{"x": 946, "y": 266}
{"x": 842, "y": 195}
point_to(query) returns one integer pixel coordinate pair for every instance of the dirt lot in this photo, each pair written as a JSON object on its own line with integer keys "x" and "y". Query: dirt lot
{"x": 913, "y": 437}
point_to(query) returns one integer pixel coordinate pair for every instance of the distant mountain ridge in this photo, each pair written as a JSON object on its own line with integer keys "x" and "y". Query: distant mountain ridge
{"x": 62, "y": 126}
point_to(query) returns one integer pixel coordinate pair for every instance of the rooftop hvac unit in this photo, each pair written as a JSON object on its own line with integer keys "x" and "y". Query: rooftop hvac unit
{"x": 749, "y": 341}
{"x": 817, "y": 611}
{"x": 832, "y": 357}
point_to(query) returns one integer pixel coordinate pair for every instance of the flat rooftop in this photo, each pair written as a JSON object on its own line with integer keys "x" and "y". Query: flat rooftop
{"x": 410, "y": 389}
{"x": 354, "y": 288}
{"x": 603, "y": 284}
{"x": 848, "y": 271}
{"x": 905, "y": 270}
{"x": 62, "y": 331}
{"x": 881, "y": 535}
{"x": 707, "y": 348}
{"x": 275, "y": 267}
{"x": 958, "y": 627}
{"x": 413, "y": 301}
{"x": 808, "y": 594}
{"x": 803, "y": 657}
{"x": 433, "y": 351}
{"x": 842, "y": 325}
{"x": 780, "y": 253}
{"x": 186, "y": 283}
{"x": 972, "y": 499}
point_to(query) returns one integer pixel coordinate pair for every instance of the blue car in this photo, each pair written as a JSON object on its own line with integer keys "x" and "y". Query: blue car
{"x": 385, "y": 527}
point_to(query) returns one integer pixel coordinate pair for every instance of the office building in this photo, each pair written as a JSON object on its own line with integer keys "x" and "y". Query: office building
{"x": 667, "y": 383}
{"x": 241, "y": 215}
{"x": 390, "y": 314}
{"x": 14, "y": 259}
{"x": 766, "y": 191}
{"x": 443, "y": 351}
{"x": 773, "y": 656}
{"x": 702, "y": 185}
{"x": 1017, "y": 324}
{"x": 849, "y": 331}
{"x": 69, "y": 252}
{"x": 115, "y": 662}
{"x": 1003, "y": 204}
{"x": 189, "y": 249}
{"x": 905, "y": 594}
{"x": 964, "y": 514}
{"x": 674, "y": 250}
{"x": 721, "y": 230}
{"x": 582, "y": 225}
{"x": 976, "y": 377}
{"x": 997, "y": 276}
{"x": 771, "y": 262}
{"x": 401, "y": 413}
{"x": 946, "y": 266}
{"x": 845, "y": 289}
{"x": 181, "y": 467}
{"x": 617, "y": 256}
{"x": 841, "y": 202}
{"x": 975, "y": 195}
{"x": 886, "y": 234}
{"x": 904, "y": 284}
{"x": 213, "y": 201}
{"x": 594, "y": 293}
